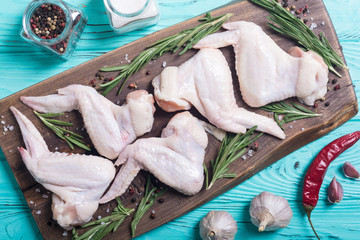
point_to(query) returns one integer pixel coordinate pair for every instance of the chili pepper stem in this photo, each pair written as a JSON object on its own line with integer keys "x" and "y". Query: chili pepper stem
{"x": 308, "y": 213}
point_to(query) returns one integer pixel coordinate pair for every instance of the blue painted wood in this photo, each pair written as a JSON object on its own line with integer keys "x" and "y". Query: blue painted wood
{"x": 22, "y": 65}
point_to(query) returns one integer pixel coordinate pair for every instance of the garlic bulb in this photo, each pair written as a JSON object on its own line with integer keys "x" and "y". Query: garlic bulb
{"x": 218, "y": 225}
{"x": 270, "y": 212}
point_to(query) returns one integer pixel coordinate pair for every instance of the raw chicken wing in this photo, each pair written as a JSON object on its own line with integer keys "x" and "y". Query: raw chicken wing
{"x": 266, "y": 73}
{"x": 205, "y": 82}
{"x": 77, "y": 181}
{"x": 176, "y": 158}
{"x": 110, "y": 127}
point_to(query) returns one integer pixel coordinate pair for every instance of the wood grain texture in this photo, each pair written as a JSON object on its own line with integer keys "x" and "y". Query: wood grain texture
{"x": 185, "y": 227}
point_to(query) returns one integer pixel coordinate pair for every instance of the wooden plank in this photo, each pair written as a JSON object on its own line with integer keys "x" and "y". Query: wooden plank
{"x": 343, "y": 106}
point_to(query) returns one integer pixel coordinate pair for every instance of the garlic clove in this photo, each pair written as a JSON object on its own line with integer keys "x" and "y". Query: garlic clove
{"x": 350, "y": 171}
{"x": 335, "y": 191}
{"x": 270, "y": 212}
{"x": 218, "y": 225}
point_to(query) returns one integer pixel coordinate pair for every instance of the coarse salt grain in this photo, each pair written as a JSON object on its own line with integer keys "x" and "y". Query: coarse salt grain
{"x": 10, "y": 151}
{"x": 56, "y": 148}
{"x": 313, "y": 26}
{"x": 11, "y": 128}
{"x": 164, "y": 64}
{"x": 102, "y": 223}
{"x": 118, "y": 102}
{"x": 243, "y": 157}
{"x": 311, "y": 18}
{"x": 290, "y": 126}
{"x": 250, "y": 152}
{"x": 2, "y": 122}
{"x": 107, "y": 210}
{"x": 45, "y": 196}
{"x": 126, "y": 57}
{"x": 31, "y": 202}
{"x": 66, "y": 116}
{"x": 2, "y": 116}
{"x": 302, "y": 129}
{"x": 99, "y": 217}
{"x": 65, "y": 234}
{"x": 37, "y": 190}
{"x": 38, "y": 212}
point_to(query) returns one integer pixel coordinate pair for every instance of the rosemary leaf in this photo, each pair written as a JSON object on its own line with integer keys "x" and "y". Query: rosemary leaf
{"x": 185, "y": 39}
{"x": 290, "y": 111}
{"x": 69, "y": 137}
{"x": 101, "y": 227}
{"x": 232, "y": 147}
{"x": 287, "y": 24}
{"x": 146, "y": 202}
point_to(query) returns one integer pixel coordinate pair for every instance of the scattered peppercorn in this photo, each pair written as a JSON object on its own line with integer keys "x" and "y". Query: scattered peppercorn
{"x": 285, "y": 5}
{"x": 327, "y": 104}
{"x": 133, "y": 200}
{"x": 161, "y": 200}
{"x": 298, "y": 11}
{"x": 334, "y": 81}
{"x": 152, "y": 214}
{"x": 133, "y": 86}
{"x": 148, "y": 73}
{"x": 315, "y": 105}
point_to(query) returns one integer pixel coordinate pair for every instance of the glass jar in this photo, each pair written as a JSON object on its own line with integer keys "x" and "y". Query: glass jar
{"x": 63, "y": 44}
{"x": 125, "y": 15}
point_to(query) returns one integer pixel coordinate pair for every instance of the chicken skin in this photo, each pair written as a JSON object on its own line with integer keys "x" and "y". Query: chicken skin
{"x": 76, "y": 181}
{"x": 110, "y": 127}
{"x": 265, "y": 72}
{"x": 176, "y": 158}
{"x": 205, "y": 82}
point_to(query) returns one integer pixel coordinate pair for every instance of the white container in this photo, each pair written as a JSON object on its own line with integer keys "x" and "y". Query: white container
{"x": 129, "y": 15}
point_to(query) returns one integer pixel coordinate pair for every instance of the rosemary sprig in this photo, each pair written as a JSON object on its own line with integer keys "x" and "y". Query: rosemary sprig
{"x": 232, "y": 147}
{"x": 69, "y": 137}
{"x": 289, "y": 25}
{"x": 185, "y": 39}
{"x": 104, "y": 225}
{"x": 291, "y": 111}
{"x": 146, "y": 202}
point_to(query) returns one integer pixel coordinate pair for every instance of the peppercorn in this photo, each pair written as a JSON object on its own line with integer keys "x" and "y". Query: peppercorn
{"x": 133, "y": 200}
{"x": 148, "y": 73}
{"x": 327, "y": 104}
{"x": 315, "y": 105}
{"x": 152, "y": 214}
{"x": 334, "y": 81}
{"x": 133, "y": 86}
{"x": 285, "y": 5}
{"x": 161, "y": 200}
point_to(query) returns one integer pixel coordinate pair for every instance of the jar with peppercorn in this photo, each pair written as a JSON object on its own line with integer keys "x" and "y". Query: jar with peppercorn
{"x": 54, "y": 26}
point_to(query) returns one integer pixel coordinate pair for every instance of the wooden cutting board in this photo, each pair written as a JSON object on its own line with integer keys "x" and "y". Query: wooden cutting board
{"x": 343, "y": 106}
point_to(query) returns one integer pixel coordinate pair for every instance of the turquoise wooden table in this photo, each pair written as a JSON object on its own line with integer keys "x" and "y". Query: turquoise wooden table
{"x": 21, "y": 65}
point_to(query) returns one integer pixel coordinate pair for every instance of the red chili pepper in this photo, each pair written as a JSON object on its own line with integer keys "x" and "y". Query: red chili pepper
{"x": 316, "y": 172}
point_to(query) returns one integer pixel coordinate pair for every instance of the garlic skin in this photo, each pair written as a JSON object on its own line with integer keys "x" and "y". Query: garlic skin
{"x": 270, "y": 212}
{"x": 335, "y": 191}
{"x": 218, "y": 225}
{"x": 350, "y": 171}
